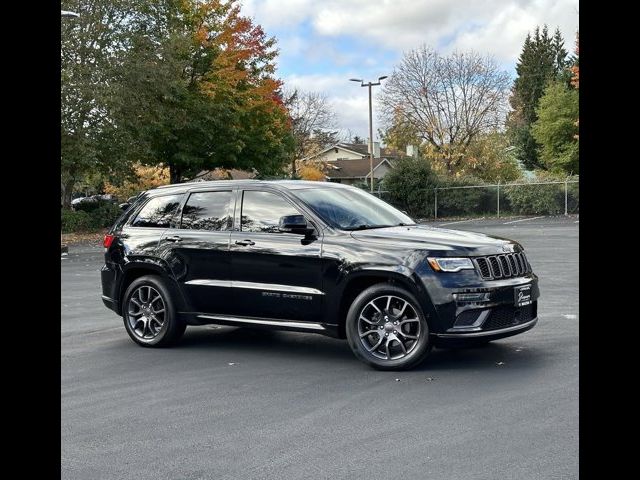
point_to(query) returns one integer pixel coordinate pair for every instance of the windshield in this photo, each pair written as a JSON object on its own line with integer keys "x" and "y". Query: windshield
{"x": 352, "y": 208}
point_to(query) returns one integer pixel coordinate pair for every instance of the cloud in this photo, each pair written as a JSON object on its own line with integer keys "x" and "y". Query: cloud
{"x": 324, "y": 43}
{"x": 495, "y": 27}
{"x": 348, "y": 99}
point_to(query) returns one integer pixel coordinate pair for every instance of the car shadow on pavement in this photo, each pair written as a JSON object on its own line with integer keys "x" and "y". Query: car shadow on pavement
{"x": 265, "y": 342}
{"x": 279, "y": 345}
{"x": 492, "y": 355}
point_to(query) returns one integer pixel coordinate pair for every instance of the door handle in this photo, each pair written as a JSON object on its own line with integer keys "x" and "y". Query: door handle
{"x": 174, "y": 238}
{"x": 244, "y": 243}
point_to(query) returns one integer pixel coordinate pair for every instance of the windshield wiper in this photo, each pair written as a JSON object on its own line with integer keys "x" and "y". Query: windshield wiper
{"x": 367, "y": 227}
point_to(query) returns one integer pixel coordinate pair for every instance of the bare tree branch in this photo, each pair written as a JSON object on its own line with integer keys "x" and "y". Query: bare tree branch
{"x": 449, "y": 100}
{"x": 311, "y": 114}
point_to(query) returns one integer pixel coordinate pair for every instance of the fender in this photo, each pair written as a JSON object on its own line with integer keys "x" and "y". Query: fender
{"x": 400, "y": 274}
{"x": 159, "y": 267}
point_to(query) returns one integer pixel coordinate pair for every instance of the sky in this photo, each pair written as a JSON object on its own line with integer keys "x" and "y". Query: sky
{"x": 323, "y": 43}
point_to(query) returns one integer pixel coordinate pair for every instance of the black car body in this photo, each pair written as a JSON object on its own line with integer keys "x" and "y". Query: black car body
{"x": 272, "y": 254}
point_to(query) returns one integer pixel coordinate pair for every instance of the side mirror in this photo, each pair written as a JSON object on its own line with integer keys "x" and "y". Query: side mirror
{"x": 294, "y": 224}
{"x": 124, "y": 206}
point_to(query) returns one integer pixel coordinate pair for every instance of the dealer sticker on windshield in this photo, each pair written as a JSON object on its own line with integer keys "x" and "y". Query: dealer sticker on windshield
{"x": 523, "y": 295}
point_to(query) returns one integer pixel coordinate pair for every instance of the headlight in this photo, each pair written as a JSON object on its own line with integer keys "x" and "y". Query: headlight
{"x": 450, "y": 264}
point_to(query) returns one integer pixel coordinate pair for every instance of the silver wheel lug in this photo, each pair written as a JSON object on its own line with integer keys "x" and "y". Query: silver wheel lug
{"x": 386, "y": 334}
{"x": 395, "y": 331}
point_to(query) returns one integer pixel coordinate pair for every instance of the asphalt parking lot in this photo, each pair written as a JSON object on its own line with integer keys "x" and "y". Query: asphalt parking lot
{"x": 232, "y": 403}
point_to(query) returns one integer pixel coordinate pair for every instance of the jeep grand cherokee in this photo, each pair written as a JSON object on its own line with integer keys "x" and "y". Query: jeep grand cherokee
{"x": 310, "y": 257}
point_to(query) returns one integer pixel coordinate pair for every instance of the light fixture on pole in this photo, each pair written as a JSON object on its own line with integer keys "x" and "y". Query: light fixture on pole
{"x": 370, "y": 84}
{"x": 68, "y": 14}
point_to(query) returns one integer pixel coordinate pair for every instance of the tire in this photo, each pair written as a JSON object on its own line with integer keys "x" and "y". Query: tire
{"x": 144, "y": 321}
{"x": 411, "y": 322}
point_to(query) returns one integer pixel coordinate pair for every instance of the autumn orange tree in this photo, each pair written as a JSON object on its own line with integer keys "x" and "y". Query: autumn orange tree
{"x": 144, "y": 177}
{"x": 575, "y": 74}
{"x": 198, "y": 91}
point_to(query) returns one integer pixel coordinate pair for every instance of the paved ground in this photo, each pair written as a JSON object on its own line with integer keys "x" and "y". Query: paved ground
{"x": 232, "y": 404}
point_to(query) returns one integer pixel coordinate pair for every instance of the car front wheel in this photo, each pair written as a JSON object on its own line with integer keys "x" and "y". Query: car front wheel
{"x": 387, "y": 329}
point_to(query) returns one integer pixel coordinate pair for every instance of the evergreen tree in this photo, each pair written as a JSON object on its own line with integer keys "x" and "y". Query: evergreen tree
{"x": 543, "y": 59}
{"x": 556, "y": 130}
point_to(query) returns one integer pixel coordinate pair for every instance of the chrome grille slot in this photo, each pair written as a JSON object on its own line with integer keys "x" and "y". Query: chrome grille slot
{"x": 502, "y": 266}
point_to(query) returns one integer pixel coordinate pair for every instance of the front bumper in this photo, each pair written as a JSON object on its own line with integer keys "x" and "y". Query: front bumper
{"x": 487, "y": 309}
{"x": 493, "y": 334}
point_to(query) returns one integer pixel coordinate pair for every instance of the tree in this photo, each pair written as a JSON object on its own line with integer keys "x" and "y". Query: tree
{"x": 555, "y": 128}
{"x": 311, "y": 116}
{"x": 410, "y": 185}
{"x": 543, "y": 58}
{"x": 309, "y": 172}
{"x": 400, "y": 133}
{"x": 146, "y": 177}
{"x": 198, "y": 91}
{"x": 91, "y": 50}
{"x": 575, "y": 68}
{"x": 575, "y": 74}
{"x": 489, "y": 159}
{"x": 449, "y": 100}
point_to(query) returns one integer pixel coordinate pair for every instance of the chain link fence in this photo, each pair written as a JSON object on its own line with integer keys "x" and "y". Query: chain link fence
{"x": 493, "y": 200}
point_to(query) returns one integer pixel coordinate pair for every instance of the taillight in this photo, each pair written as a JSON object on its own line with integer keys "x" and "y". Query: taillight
{"x": 108, "y": 240}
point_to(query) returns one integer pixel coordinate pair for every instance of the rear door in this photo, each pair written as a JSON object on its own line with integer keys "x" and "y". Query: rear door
{"x": 197, "y": 249}
{"x": 276, "y": 275}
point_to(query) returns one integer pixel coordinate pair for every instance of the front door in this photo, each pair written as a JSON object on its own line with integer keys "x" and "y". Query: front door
{"x": 197, "y": 250}
{"x": 275, "y": 275}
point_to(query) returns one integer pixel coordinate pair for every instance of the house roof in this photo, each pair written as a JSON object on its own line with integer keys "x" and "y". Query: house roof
{"x": 361, "y": 149}
{"x": 354, "y": 168}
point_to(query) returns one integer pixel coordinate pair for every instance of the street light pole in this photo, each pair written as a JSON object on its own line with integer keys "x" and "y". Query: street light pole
{"x": 370, "y": 84}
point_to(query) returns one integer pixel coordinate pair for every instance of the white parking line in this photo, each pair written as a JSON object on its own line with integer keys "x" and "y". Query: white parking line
{"x": 461, "y": 221}
{"x": 577, "y": 221}
{"x": 522, "y": 220}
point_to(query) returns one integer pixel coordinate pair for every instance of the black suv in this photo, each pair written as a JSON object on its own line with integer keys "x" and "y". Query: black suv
{"x": 310, "y": 257}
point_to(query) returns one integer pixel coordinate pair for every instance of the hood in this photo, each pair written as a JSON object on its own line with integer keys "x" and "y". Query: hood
{"x": 444, "y": 241}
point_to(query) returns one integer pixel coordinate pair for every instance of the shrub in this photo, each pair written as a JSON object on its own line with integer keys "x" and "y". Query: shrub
{"x": 463, "y": 201}
{"x": 72, "y": 221}
{"x": 539, "y": 199}
{"x": 88, "y": 206}
{"x": 410, "y": 187}
{"x": 105, "y": 214}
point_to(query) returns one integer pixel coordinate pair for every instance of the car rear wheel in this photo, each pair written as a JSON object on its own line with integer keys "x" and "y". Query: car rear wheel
{"x": 148, "y": 313}
{"x": 387, "y": 329}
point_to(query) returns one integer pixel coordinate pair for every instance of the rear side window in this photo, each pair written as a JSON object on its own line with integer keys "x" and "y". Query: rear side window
{"x": 208, "y": 211}
{"x": 157, "y": 213}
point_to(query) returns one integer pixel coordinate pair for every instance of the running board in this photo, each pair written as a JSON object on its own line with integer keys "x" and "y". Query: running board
{"x": 229, "y": 320}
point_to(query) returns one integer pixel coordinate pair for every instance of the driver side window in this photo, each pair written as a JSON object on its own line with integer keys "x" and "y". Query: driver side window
{"x": 261, "y": 211}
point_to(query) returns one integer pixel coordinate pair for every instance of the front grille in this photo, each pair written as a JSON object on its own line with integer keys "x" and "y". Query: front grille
{"x": 508, "y": 316}
{"x": 505, "y": 265}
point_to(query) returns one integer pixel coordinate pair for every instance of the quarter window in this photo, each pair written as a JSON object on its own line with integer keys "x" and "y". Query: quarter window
{"x": 261, "y": 211}
{"x": 207, "y": 211}
{"x": 158, "y": 211}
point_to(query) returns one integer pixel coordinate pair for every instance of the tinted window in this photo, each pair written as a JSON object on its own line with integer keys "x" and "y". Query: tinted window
{"x": 158, "y": 212}
{"x": 352, "y": 208}
{"x": 207, "y": 211}
{"x": 261, "y": 211}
